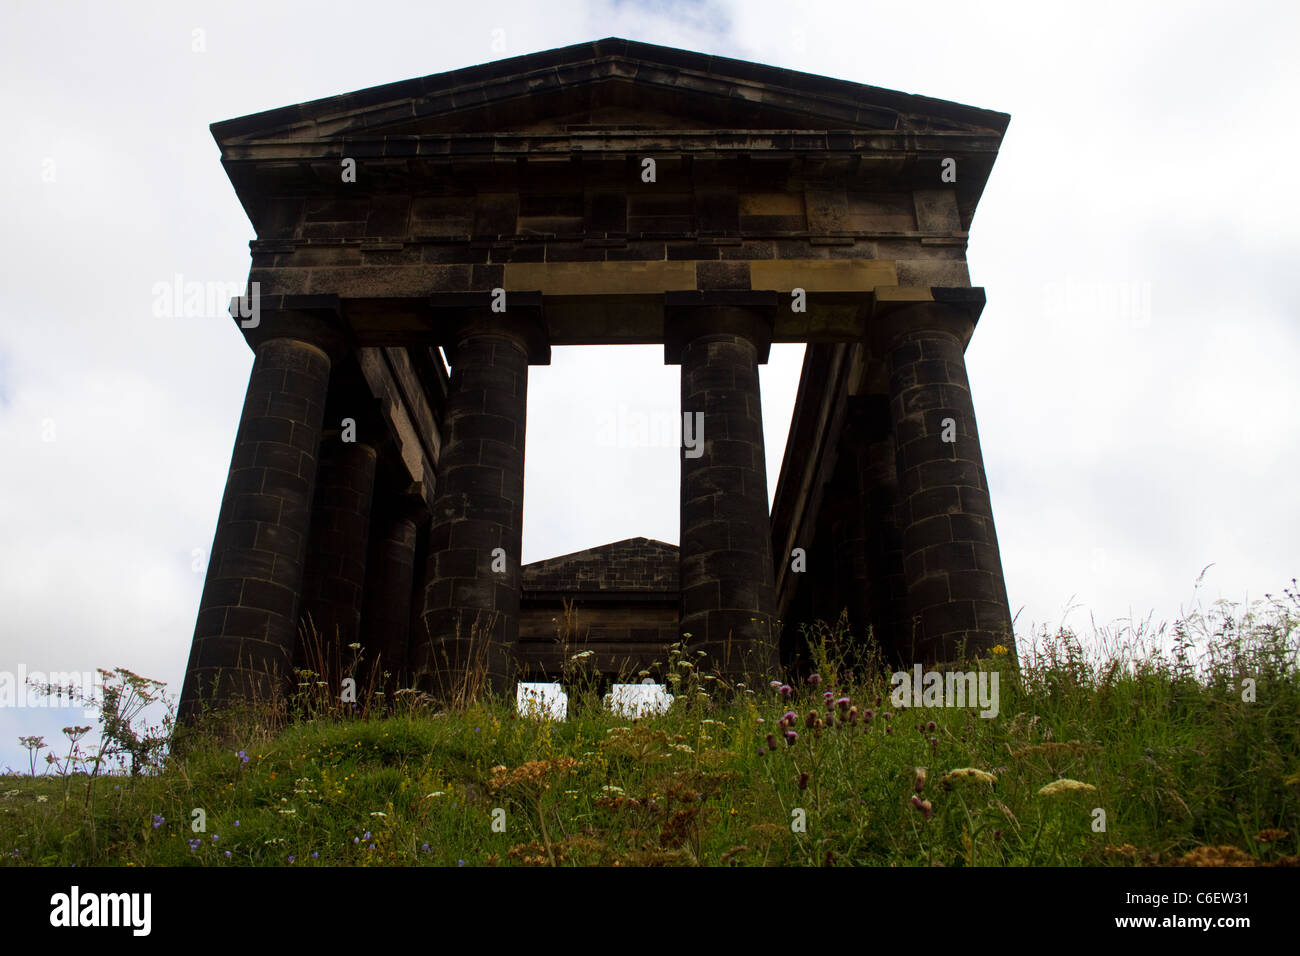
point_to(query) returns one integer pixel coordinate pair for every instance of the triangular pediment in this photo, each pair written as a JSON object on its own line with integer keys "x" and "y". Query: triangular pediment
{"x": 611, "y": 83}
{"x": 635, "y": 564}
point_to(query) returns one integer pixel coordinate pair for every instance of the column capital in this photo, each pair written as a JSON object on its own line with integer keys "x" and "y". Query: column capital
{"x": 409, "y": 504}
{"x": 690, "y": 314}
{"x": 938, "y": 309}
{"x": 459, "y": 315}
{"x": 314, "y": 319}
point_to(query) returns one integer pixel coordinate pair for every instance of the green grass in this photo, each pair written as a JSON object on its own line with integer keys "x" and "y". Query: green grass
{"x": 1184, "y": 768}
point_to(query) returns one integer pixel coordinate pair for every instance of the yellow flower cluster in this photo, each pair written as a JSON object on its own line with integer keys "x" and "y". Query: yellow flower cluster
{"x": 1063, "y": 786}
{"x": 969, "y": 773}
{"x": 531, "y": 774}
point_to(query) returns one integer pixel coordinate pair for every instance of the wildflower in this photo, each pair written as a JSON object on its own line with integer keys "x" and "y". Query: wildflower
{"x": 803, "y": 780}
{"x": 376, "y": 813}
{"x": 968, "y": 773}
{"x": 790, "y": 718}
{"x": 887, "y": 715}
{"x": 774, "y": 684}
{"x": 424, "y": 848}
{"x": 194, "y": 844}
{"x": 786, "y": 691}
{"x": 762, "y": 751}
{"x": 771, "y": 741}
{"x": 242, "y": 755}
{"x": 853, "y": 715}
{"x": 828, "y": 696}
{"x": 814, "y": 679}
{"x": 315, "y": 855}
{"x": 934, "y": 745}
{"x": 158, "y": 821}
{"x": 918, "y": 781}
{"x": 227, "y": 854}
{"x": 930, "y": 727}
{"x": 1064, "y": 785}
{"x": 290, "y": 859}
{"x": 460, "y": 862}
{"x": 999, "y": 649}
{"x": 791, "y": 737}
{"x": 811, "y": 719}
{"x": 924, "y": 806}
{"x": 354, "y": 646}
{"x": 843, "y": 703}
{"x": 215, "y": 838}
{"x": 366, "y": 835}
{"x": 868, "y": 715}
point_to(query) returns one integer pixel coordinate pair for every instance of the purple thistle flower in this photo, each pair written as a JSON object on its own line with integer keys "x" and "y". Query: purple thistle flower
{"x": 814, "y": 679}
{"x": 828, "y": 696}
{"x": 791, "y": 737}
{"x": 774, "y": 684}
{"x": 771, "y": 741}
{"x": 930, "y": 726}
{"x": 843, "y": 703}
{"x": 786, "y": 691}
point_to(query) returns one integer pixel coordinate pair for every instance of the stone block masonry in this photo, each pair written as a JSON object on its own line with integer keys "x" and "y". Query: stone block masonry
{"x": 610, "y": 192}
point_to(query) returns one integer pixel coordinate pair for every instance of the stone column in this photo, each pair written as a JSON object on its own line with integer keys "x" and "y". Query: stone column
{"x": 390, "y": 581}
{"x": 245, "y": 633}
{"x": 886, "y": 584}
{"x": 727, "y": 591}
{"x": 955, "y": 590}
{"x": 471, "y": 595}
{"x": 335, "y": 578}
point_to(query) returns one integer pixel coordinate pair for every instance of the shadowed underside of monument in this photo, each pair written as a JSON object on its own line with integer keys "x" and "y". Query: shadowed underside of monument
{"x": 609, "y": 192}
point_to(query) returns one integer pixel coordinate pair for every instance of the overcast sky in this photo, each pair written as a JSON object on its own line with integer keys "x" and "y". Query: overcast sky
{"x": 1134, "y": 372}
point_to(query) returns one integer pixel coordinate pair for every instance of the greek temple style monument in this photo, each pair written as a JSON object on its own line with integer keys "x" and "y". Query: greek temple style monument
{"x": 606, "y": 193}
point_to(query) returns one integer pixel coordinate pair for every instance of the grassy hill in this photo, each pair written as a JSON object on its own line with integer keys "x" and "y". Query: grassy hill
{"x": 1134, "y": 756}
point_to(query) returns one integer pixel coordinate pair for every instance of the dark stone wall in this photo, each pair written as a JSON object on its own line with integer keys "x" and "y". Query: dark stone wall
{"x": 623, "y": 609}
